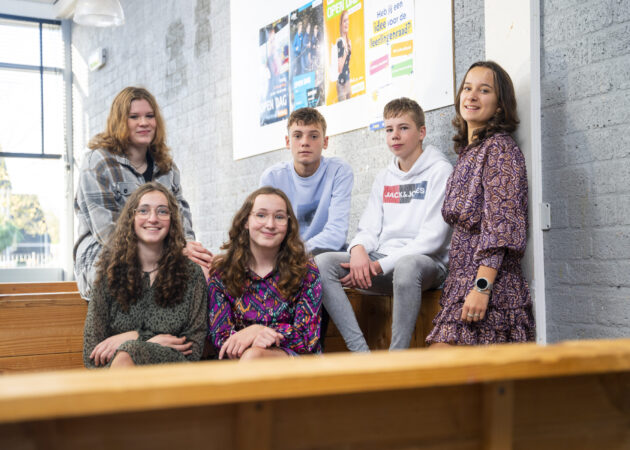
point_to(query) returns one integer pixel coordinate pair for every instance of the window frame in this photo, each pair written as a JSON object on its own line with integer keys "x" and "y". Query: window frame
{"x": 67, "y": 232}
{"x": 41, "y": 69}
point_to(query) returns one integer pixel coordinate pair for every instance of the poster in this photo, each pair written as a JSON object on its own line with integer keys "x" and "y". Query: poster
{"x": 415, "y": 60}
{"x": 307, "y": 62}
{"x": 273, "y": 48}
{"x": 389, "y": 54}
{"x": 345, "y": 50}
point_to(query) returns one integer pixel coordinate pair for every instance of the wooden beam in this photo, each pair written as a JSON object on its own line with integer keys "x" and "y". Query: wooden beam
{"x": 254, "y": 426}
{"x": 497, "y": 413}
{"x": 550, "y": 413}
{"x": 77, "y": 392}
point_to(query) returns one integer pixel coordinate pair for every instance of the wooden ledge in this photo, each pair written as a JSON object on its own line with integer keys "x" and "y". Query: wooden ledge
{"x": 82, "y": 393}
{"x": 29, "y": 288}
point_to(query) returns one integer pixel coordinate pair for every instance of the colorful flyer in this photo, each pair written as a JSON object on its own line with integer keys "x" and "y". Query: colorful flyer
{"x": 273, "y": 49}
{"x": 346, "y": 50}
{"x": 307, "y": 56}
{"x": 389, "y": 52}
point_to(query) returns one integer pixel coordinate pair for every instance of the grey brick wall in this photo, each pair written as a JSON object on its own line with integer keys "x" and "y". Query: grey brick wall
{"x": 585, "y": 72}
{"x": 180, "y": 51}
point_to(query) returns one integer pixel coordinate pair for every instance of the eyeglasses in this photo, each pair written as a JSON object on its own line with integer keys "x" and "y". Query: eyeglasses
{"x": 262, "y": 216}
{"x": 162, "y": 212}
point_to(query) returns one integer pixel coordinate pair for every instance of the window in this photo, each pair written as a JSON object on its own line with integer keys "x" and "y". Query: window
{"x": 33, "y": 174}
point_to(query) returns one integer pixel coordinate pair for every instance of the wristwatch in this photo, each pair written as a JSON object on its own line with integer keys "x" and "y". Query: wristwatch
{"x": 483, "y": 285}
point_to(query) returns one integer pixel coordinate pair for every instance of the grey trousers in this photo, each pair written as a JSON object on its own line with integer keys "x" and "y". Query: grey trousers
{"x": 412, "y": 274}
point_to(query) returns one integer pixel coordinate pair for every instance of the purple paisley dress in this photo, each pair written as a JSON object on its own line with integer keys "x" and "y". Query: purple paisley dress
{"x": 486, "y": 204}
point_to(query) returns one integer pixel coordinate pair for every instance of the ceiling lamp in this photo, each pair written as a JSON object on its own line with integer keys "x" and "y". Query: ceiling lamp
{"x": 99, "y": 13}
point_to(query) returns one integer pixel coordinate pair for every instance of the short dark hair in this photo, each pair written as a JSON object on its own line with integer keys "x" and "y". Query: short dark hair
{"x": 307, "y": 116}
{"x": 404, "y": 105}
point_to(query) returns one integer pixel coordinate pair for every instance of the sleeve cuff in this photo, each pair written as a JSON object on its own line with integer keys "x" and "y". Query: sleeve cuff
{"x": 144, "y": 335}
{"x": 493, "y": 261}
{"x": 386, "y": 264}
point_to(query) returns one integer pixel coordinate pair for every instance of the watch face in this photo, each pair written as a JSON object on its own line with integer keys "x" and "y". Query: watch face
{"x": 482, "y": 283}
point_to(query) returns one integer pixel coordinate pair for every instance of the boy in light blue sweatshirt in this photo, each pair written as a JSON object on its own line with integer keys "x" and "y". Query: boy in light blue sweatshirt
{"x": 319, "y": 188}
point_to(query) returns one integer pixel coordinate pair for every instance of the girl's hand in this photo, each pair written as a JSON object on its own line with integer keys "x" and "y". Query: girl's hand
{"x": 267, "y": 337}
{"x": 235, "y": 345}
{"x": 105, "y": 350}
{"x": 475, "y": 306}
{"x": 178, "y": 343}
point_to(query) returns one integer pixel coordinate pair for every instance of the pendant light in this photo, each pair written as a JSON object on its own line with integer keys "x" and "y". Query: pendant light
{"x": 99, "y": 13}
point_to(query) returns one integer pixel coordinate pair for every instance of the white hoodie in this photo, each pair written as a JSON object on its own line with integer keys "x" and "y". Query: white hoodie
{"x": 404, "y": 212}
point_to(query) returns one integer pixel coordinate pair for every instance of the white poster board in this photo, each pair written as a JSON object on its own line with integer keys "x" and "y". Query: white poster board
{"x": 268, "y": 65}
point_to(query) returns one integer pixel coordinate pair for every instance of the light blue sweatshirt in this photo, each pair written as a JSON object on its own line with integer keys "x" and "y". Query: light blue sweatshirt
{"x": 321, "y": 202}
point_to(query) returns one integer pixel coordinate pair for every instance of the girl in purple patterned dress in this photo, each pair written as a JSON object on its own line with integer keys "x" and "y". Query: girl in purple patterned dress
{"x": 486, "y": 298}
{"x": 264, "y": 292}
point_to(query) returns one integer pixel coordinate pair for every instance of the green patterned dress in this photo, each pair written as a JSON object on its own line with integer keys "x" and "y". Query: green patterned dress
{"x": 106, "y": 318}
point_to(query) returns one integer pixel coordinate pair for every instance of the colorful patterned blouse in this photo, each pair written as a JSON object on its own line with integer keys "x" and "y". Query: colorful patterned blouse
{"x": 297, "y": 319}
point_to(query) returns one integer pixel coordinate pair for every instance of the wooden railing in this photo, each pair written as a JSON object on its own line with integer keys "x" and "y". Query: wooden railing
{"x": 570, "y": 395}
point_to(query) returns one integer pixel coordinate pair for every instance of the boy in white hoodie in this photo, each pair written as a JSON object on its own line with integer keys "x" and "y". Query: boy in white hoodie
{"x": 401, "y": 245}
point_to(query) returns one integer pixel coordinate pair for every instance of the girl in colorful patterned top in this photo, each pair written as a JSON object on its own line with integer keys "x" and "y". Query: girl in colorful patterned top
{"x": 264, "y": 292}
{"x": 486, "y": 297}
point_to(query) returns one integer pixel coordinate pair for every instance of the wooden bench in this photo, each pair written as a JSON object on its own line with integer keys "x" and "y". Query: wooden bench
{"x": 374, "y": 314}
{"x": 34, "y": 288}
{"x": 570, "y": 395}
{"x": 41, "y": 331}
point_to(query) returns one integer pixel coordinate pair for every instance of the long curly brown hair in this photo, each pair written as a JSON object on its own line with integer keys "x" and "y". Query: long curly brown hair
{"x": 505, "y": 120}
{"x": 119, "y": 265}
{"x": 115, "y": 138}
{"x": 291, "y": 260}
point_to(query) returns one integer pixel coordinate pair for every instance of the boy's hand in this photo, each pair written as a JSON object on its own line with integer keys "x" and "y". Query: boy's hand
{"x": 360, "y": 269}
{"x": 375, "y": 268}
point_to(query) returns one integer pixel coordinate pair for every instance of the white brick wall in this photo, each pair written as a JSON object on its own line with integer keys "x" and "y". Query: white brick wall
{"x": 180, "y": 50}
{"x": 171, "y": 48}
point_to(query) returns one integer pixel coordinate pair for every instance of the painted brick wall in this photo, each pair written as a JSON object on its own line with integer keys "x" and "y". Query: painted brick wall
{"x": 585, "y": 72}
{"x": 180, "y": 51}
